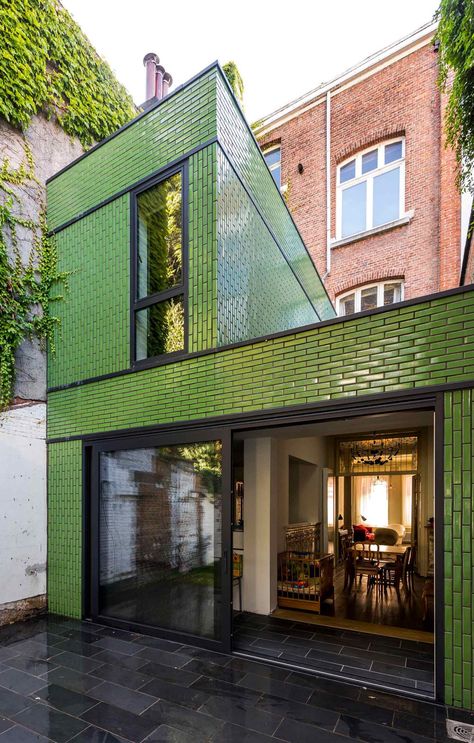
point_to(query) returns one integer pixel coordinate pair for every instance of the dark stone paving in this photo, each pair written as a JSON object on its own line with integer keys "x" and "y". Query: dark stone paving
{"x": 64, "y": 680}
{"x": 403, "y": 665}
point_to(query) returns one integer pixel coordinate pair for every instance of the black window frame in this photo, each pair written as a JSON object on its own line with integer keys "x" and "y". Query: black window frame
{"x": 180, "y": 289}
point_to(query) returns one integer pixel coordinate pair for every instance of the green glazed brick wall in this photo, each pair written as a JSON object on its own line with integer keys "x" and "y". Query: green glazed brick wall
{"x": 65, "y": 528}
{"x": 245, "y": 155}
{"x": 249, "y": 305}
{"x": 184, "y": 121}
{"x": 401, "y": 348}
{"x": 202, "y": 305}
{"x": 93, "y": 337}
{"x": 458, "y": 547}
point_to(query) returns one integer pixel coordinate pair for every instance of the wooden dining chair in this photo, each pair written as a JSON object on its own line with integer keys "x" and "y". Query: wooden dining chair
{"x": 367, "y": 563}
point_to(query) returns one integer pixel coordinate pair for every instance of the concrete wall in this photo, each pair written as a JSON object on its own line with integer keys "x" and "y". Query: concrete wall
{"x": 22, "y": 510}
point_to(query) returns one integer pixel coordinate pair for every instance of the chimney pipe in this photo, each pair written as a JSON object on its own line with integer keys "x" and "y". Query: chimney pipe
{"x": 167, "y": 81}
{"x": 150, "y": 61}
{"x": 159, "y": 73}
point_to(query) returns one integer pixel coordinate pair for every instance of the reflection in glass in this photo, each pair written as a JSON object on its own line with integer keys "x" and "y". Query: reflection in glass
{"x": 387, "y": 197}
{"x": 347, "y": 172}
{"x": 347, "y": 305}
{"x": 369, "y": 161}
{"x": 159, "y": 537}
{"x": 368, "y": 298}
{"x": 392, "y": 293}
{"x": 393, "y": 152}
{"x": 353, "y": 209}
{"x": 160, "y": 328}
{"x": 160, "y": 255}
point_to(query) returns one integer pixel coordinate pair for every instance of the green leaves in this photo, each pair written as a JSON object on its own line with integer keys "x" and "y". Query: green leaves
{"x": 48, "y": 64}
{"x": 232, "y": 74}
{"x": 27, "y": 288}
{"x": 456, "y": 78}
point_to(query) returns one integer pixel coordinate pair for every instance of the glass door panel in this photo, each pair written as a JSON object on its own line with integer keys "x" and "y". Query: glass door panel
{"x": 160, "y": 537}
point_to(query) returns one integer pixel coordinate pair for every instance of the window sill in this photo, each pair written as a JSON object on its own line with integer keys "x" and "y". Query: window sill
{"x": 374, "y": 231}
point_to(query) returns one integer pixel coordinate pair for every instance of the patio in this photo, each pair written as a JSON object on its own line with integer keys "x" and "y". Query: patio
{"x": 66, "y": 680}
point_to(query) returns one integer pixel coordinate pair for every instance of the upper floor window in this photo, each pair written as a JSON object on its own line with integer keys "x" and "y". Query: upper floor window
{"x": 369, "y": 297}
{"x": 371, "y": 188}
{"x": 273, "y": 159}
{"x": 159, "y": 271}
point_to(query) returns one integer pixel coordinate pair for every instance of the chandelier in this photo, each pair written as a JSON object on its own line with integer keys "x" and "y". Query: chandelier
{"x": 376, "y": 452}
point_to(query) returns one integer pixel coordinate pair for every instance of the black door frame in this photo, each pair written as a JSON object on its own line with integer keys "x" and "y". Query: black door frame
{"x": 223, "y": 427}
{"x": 91, "y": 531}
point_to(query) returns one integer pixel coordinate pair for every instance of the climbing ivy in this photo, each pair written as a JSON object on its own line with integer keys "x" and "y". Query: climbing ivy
{"x": 234, "y": 77}
{"x": 30, "y": 284}
{"x": 456, "y": 64}
{"x": 48, "y": 65}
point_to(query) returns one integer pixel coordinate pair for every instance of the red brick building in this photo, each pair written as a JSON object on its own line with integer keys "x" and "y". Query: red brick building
{"x": 366, "y": 174}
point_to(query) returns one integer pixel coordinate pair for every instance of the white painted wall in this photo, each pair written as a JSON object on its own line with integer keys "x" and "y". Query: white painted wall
{"x": 23, "y": 502}
{"x": 259, "y": 583}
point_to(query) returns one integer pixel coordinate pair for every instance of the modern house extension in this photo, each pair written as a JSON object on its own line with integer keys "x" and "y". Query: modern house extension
{"x": 223, "y": 448}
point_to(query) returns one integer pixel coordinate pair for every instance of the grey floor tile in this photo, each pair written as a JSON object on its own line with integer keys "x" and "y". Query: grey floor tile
{"x": 50, "y": 722}
{"x": 203, "y": 654}
{"x": 31, "y": 665}
{"x": 367, "y": 731}
{"x": 276, "y": 688}
{"x": 294, "y": 731}
{"x": 243, "y": 714}
{"x": 120, "y": 722}
{"x": 259, "y": 669}
{"x": 167, "y": 734}
{"x": 118, "y": 696}
{"x": 236, "y": 734}
{"x": 184, "y": 695}
{"x": 206, "y": 668}
{"x": 167, "y": 673}
{"x": 223, "y": 689}
{"x": 65, "y": 700}
{"x": 119, "y": 659}
{"x": 323, "y": 718}
{"x": 163, "y": 657}
{"x": 96, "y": 735}
{"x": 157, "y": 642}
{"x": 88, "y": 650}
{"x": 120, "y": 646}
{"x": 123, "y": 676}
{"x": 71, "y": 679}
{"x": 77, "y": 662}
{"x": 187, "y": 720}
{"x": 11, "y": 702}
{"x": 5, "y": 724}
{"x": 18, "y": 734}
{"x": 19, "y": 681}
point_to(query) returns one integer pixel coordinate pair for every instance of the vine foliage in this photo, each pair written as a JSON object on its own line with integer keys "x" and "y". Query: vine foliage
{"x": 29, "y": 285}
{"x": 456, "y": 77}
{"x": 48, "y": 65}
{"x": 234, "y": 77}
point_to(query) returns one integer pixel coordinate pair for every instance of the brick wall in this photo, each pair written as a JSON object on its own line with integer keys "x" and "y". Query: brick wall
{"x": 401, "y": 99}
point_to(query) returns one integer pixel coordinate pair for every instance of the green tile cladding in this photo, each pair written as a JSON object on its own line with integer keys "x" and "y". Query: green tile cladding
{"x": 246, "y": 157}
{"x": 458, "y": 546}
{"x": 93, "y": 337}
{"x": 400, "y": 348}
{"x": 247, "y": 306}
{"x": 182, "y": 122}
{"x": 65, "y": 528}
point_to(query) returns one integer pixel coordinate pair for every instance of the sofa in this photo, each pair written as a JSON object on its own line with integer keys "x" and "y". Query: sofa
{"x": 390, "y": 535}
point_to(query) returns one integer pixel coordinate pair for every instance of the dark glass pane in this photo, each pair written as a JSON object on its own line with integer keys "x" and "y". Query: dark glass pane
{"x": 160, "y": 255}
{"x": 159, "y": 329}
{"x": 369, "y": 161}
{"x": 347, "y": 305}
{"x": 160, "y": 537}
{"x": 347, "y": 172}
{"x": 354, "y": 200}
{"x": 273, "y": 157}
{"x": 393, "y": 152}
{"x": 368, "y": 298}
{"x": 386, "y": 197}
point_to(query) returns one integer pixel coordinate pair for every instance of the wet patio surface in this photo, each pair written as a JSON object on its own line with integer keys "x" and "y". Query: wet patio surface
{"x": 66, "y": 680}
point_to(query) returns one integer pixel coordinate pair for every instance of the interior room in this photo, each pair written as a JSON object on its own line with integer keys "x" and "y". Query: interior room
{"x": 333, "y": 547}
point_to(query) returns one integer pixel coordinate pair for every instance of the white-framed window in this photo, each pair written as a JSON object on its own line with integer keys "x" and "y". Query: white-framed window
{"x": 272, "y": 157}
{"x": 371, "y": 188}
{"x": 369, "y": 297}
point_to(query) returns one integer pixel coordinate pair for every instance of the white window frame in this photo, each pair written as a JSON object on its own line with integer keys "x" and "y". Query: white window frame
{"x": 273, "y": 167}
{"x": 357, "y": 291}
{"x": 369, "y": 179}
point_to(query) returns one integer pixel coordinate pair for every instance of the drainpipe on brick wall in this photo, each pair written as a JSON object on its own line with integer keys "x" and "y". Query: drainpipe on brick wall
{"x": 328, "y": 184}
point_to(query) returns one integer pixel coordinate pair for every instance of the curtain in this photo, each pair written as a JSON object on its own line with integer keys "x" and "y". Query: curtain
{"x": 370, "y": 499}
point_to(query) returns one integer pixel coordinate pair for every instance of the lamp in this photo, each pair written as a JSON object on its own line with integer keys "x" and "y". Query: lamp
{"x": 363, "y": 518}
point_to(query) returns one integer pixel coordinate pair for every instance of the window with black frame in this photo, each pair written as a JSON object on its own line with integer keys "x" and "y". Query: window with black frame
{"x": 159, "y": 302}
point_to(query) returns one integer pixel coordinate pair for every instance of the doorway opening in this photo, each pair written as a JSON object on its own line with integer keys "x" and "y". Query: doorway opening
{"x": 334, "y": 547}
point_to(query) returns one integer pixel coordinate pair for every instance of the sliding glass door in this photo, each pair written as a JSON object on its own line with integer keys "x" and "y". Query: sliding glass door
{"x": 159, "y": 510}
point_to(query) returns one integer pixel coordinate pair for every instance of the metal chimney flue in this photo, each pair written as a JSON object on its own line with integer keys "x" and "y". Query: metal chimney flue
{"x": 167, "y": 82}
{"x": 150, "y": 61}
{"x": 159, "y": 73}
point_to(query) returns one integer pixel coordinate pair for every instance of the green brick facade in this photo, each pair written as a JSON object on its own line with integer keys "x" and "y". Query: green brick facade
{"x": 251, "y": 285}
